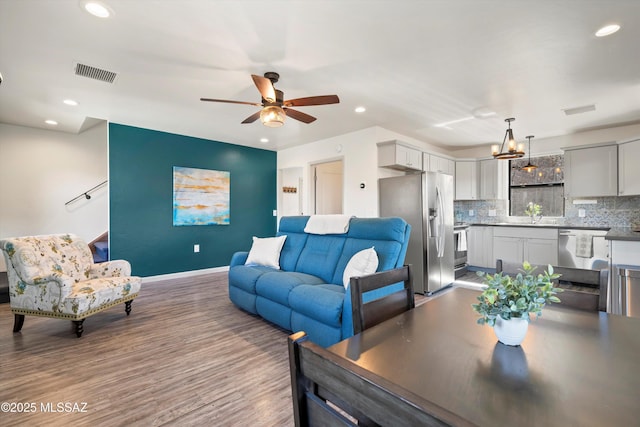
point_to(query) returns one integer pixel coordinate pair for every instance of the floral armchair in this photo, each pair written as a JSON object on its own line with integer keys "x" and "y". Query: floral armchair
{"x": 54, "y": 276}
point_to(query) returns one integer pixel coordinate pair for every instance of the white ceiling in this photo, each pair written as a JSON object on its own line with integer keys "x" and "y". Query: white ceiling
{"x": 412, "y": 64}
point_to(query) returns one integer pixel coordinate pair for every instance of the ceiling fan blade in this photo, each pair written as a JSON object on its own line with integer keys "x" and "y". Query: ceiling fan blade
{"x": 265, "y": 87}
{"x": 230, "y": 102}
{"x": 299, "y": 115}
{"x": 312, "y": 100}
{"x": 252, "y": 118}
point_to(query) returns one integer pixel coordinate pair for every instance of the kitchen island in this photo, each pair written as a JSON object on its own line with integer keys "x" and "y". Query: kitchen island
{"x": 625, "y": 260}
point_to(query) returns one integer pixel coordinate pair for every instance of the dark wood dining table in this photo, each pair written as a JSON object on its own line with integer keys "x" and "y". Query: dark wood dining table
{"x": 574, "y": 368}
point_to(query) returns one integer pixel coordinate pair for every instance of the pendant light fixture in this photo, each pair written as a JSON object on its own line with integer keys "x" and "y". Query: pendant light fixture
{"x": 513, "y": 151}
{"x": 529, "y": 167}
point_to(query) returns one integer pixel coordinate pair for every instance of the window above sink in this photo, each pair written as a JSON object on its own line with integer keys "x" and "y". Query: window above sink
{"x": 543, "y": 186}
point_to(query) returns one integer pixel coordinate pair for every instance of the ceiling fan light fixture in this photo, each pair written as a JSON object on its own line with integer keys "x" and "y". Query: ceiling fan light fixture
{"x": 513, "y": 151}
{"x": 272, "y": 116}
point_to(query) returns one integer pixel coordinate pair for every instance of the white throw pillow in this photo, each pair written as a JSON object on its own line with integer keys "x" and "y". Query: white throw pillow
{"x": 361, "y": 264}
{"x": 266, "y": 251}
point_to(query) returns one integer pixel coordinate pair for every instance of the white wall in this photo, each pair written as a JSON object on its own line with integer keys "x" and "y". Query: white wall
{"x": 40, "y": 170}
{"x": 553, "y": 145}
{"x": 359, "y": 152}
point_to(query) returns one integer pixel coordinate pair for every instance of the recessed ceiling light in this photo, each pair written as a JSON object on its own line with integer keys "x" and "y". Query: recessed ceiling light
{"x": 96, "y": 8}
{"x": 70, "y": 102}
{"x": 360, "y": 109}
{"x": 51, "y": 122}
{"x": 607, "y": 30}
{"x": 264, "y": 140}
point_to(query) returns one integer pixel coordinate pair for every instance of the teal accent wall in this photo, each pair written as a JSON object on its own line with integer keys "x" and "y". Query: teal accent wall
{"x": 141, "y": 227}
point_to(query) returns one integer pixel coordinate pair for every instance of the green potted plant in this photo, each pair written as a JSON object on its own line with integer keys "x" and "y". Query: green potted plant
{"x": 508, "y": 302}
{"x": 534, "y": 211}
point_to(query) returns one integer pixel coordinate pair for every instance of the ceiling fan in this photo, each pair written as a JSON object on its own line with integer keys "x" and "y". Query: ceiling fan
{"x": 274, "y": 107}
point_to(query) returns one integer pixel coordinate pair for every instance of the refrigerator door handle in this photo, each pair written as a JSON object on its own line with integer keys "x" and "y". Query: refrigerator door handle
{"x": 440, "y": 238}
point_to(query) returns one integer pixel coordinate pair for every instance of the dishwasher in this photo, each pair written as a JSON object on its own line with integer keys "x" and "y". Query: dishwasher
{"x": 583, "y": 248}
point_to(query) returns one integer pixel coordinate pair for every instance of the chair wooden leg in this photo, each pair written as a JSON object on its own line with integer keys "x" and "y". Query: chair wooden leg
{"x": 127, "y": 307}
{"x": 18, "y": 322}
{"x": 79, "y": 327}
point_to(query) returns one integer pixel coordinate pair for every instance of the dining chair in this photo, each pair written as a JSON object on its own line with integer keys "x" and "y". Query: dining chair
{"x": 370, "y": 313}
{"x": 582, "y": 289}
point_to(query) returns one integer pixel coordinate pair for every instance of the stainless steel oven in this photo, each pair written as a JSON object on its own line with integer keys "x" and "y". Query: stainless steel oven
{"x": 460, "y": 248}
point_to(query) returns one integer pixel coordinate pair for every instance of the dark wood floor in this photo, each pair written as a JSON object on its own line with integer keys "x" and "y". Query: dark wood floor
{"x": 185, "y": 356}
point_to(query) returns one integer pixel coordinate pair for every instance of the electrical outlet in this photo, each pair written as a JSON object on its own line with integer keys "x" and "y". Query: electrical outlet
{"x": 275, "y": 212}
{"x": 492, "y": 212}
{"x": 471, "y": 212}
{"x": 196, "y": 248}
{"x": 582, "y": 213}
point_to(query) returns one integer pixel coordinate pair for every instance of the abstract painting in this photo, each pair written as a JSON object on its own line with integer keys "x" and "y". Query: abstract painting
{"x": 200, "y": 196}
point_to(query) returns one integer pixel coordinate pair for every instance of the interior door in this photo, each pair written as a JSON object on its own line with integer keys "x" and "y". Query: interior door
{"x": 327, "y": 188}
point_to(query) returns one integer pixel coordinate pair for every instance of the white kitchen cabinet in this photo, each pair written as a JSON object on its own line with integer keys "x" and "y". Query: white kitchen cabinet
{"x": 541, "y": 251}
{"x": 466, "y": 180}
{"x": 397, "y": 155}
{"x": 433, "y": 163}
{"x": 508, "y": 248}
{"x": 493, "y": 179}
{"x": 591, "y": 171}
{"x": 480, "y": 246}
{"x": 628, "y": 170}
{"x": 536, "y": 245}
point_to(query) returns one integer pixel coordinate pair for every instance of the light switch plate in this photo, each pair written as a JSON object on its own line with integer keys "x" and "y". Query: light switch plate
{"x": 471, "y": 212}
{"x": 582, "y": 213}
{"x": 492, "y": 212}
{"x": 196, "y": 248}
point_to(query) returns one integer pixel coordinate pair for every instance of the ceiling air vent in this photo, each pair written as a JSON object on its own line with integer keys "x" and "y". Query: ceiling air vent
{"x": 579, "y": 110}
{"x": 95, "y": 73}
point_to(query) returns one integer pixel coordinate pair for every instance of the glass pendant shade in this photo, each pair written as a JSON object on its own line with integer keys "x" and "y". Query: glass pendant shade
{"x": 272, "y": 116}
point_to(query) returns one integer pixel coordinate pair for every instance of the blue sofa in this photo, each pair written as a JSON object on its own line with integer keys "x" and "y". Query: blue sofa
{"x": 307, "y": 293}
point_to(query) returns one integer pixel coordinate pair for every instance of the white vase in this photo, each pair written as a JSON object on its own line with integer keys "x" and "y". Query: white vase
{"x": 512, "y": 331}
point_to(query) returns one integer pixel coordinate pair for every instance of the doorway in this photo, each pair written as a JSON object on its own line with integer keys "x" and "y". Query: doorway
{"x": 327, "y": 187}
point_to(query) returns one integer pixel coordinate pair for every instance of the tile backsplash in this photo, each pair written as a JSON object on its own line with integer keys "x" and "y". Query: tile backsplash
{"x": 622, "y": 211}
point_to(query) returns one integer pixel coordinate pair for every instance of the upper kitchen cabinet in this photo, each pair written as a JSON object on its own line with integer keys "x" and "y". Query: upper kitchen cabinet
{"x": 466, "y": 180}
{"x": 432, "y": 163}
{"x": 400, "y": 156}
{"x": 591, "y": 171}
{"x": 628, "y": 170}
{"x": 493, "y": 179}
{"x": 481, "y": 180}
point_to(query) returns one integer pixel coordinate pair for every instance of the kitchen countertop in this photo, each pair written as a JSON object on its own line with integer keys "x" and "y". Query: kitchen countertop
{"x": 557, "y": 226}
{"x": 615, "y": 233}
{"x": 623, "y": 233}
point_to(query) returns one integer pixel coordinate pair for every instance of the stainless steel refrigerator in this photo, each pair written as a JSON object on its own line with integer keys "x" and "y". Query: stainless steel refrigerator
{"x": 425, "y": 201}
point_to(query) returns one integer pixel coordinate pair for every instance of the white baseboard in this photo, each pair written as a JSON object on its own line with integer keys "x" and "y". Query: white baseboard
{"x": 181, "y": 274}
